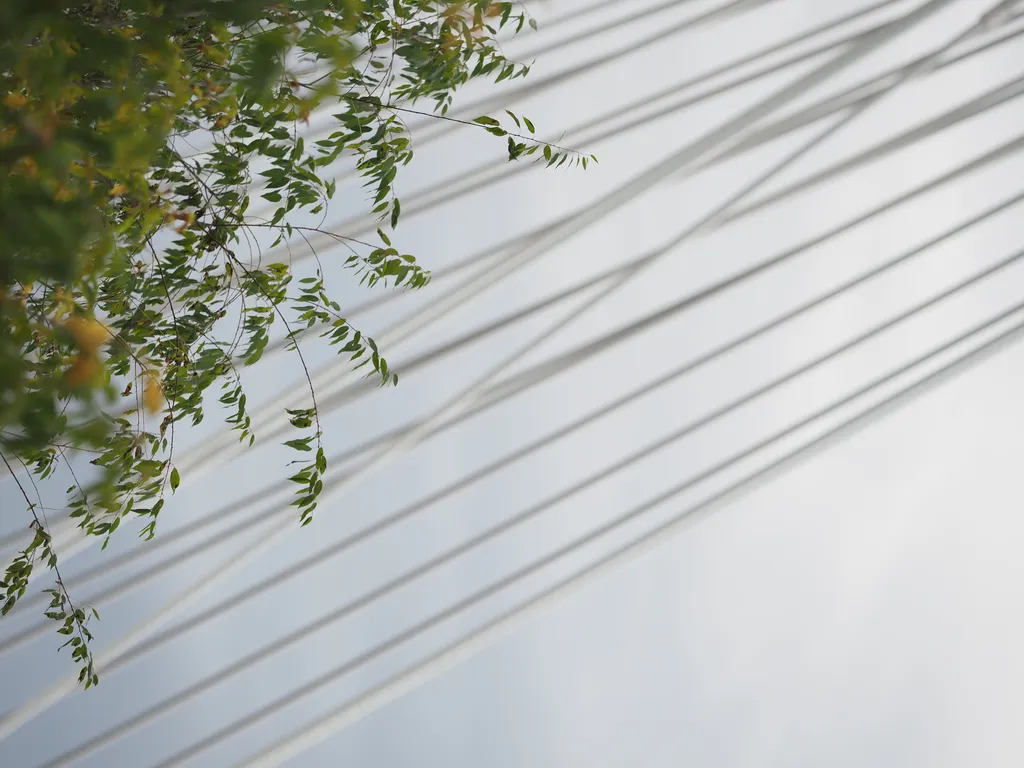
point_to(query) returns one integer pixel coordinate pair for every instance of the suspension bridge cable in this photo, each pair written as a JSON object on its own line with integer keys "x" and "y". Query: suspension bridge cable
{"x": 332, "y": 400}
{"x": 547, "y": 369}
{"x": 303, "y": 738}
{"x": 488, "y": 255}
{"x": 859, "y": 108}
{"x": 810, "y": 114}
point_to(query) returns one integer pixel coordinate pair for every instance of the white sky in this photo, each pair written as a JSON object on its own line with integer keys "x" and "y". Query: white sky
{"x": 858, "y": 611}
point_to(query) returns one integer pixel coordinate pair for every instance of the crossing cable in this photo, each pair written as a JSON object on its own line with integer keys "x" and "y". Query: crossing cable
{"x": 273, "y": 495}
{"x": 341, "y": 482}
{"x": 409, "y": 678}
{"x": 998, "y": 96}
{"x": 851, "y": 98}
{"x": 330, "y": 401}
{"x": 280, "y": 493}
{"x": 922, "y": 64}
{"x": 218, "y": 450}
{"x": 328, "y": 374}
{"x": 247, "y": 662}
{"x": 855, "y": 97}
{"x": 572, "y": 134}
{"x": 546, "y": 371}
{"x": 611, "y": 202}
{"x": 726, "y": 10}
{"x": 542, "y": 371}
{"x": 490, "y": 254}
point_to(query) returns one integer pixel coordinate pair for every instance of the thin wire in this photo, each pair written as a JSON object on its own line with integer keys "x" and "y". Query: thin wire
{"x": 247, "y": 662}
{"x": 304, "y": 738}
{"x": 268, "y": 495}
{"x": 14, "y": 719}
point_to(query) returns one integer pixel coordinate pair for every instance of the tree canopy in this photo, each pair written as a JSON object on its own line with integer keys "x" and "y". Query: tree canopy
{"x": 130, "y": 134}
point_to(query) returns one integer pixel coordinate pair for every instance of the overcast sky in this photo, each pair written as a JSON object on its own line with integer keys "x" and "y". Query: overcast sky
{"x": 860, "y": 610}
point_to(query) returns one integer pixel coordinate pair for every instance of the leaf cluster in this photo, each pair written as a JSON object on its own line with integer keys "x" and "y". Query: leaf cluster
{"x": 132, "y": 279}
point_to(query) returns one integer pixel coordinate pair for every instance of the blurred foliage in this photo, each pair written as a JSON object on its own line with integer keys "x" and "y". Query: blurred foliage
{"x": 123, "y": 297}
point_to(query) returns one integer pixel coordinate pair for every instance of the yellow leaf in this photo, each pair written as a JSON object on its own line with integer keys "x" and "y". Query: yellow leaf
{"x": 84, "y": 371}
{"x": 15, "y": 100}
{"x": 27, "y": 166}
{"x": 87, "y": 332}
{"x": 153, "y": 397}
